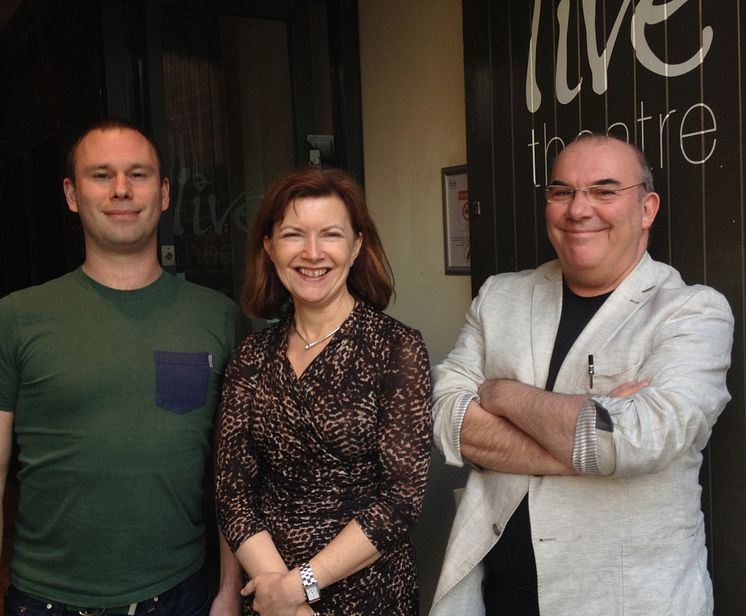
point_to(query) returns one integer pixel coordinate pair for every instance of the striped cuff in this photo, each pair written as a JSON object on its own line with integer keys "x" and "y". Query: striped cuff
{"x": 584, "y": 459}
{"x": 458, "y": 418}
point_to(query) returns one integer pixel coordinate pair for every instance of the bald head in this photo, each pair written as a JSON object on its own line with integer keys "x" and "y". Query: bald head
{"x": 600, "y": 220}
{"x": 646, "y": 173}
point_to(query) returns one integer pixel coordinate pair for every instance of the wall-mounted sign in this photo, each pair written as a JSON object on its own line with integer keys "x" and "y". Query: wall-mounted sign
{"x": 456, "y": 219}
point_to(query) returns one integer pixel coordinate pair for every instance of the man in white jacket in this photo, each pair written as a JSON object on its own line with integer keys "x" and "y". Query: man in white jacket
{"x": 583, "y": 393}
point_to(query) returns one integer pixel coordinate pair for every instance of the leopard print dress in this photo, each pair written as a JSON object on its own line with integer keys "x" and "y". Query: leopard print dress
{"x": 300, "y": 457}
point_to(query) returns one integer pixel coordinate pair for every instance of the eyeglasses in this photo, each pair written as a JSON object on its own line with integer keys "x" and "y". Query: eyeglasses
{"x": 597, "y": 194}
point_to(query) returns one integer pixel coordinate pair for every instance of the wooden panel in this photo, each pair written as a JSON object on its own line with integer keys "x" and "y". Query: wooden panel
{"x": 722, "y": 256}
{"x": 533, "y": 143}
{"x": 672, "y": 82}
{"x": 478, "y": 80}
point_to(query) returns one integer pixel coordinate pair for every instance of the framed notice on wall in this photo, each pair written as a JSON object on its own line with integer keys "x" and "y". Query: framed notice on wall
{"x": 456, "y": 219}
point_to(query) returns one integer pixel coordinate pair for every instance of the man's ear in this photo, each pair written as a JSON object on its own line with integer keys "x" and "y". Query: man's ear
{"x": 69, "y": 189}
{"x": 165, "y": 190}
{"x": 650, "y": 205}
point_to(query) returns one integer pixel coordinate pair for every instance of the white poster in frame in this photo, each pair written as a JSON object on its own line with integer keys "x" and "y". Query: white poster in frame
{"x": 456, "y": 219}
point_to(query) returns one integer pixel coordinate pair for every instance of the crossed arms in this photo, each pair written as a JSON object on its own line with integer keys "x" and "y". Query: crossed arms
{"x": 517, "y": 428}
{"x": 664, "y": 401}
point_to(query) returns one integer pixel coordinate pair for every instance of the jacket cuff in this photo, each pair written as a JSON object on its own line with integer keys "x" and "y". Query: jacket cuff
{"x": 584, "y": 459}
{"x": 458, "y": 419}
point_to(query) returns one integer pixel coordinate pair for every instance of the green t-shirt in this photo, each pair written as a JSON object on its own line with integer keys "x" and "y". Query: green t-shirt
{"x": 114, "y": 395}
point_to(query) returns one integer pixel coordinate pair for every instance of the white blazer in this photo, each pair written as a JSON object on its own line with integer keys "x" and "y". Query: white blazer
{"x": 631, "y": 541}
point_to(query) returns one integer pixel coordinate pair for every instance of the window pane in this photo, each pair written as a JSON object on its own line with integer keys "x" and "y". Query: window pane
{"x": 228, "y": 99}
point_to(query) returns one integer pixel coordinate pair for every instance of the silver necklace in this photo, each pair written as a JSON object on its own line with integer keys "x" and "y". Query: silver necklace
{"x": 308, "y": 345}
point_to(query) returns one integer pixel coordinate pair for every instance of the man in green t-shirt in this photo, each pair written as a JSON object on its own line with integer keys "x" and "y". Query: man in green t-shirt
{"x": 109, "y": 377}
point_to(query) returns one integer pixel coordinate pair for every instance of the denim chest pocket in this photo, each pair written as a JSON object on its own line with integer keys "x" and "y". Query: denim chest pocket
{"x": 181, "y": 380}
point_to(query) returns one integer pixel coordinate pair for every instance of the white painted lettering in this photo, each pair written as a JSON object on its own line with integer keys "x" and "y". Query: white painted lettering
{"x": 696, "y": 130}
{"x": 611, "y": 127}
{"x": 533, "y": 145}
{"x": 600, "y": 62}
{"x": 533, "y": 94}
{"x": 700, "y": 119}
{"x": 562, "y": 90}
{"x": 661, "y": 123}
{"x": 646, "y": 13}
{"x": 547, "y": 145}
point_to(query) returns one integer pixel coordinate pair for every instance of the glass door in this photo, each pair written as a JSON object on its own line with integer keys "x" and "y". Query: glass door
{"x": 228, "y": 100}
{"x": 236, "y": 93}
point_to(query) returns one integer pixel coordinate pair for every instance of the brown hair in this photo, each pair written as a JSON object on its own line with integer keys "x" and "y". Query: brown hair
{"x": 107, "y": 124}
{"x": 370, "y": 278}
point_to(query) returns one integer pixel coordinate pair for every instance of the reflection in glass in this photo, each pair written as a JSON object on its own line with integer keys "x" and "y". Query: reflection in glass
{"x": 228, "y": 99}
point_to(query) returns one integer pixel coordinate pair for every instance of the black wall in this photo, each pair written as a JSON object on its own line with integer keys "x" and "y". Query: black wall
{"x": 52, "y": 86}
{"x": 675, "y": 88}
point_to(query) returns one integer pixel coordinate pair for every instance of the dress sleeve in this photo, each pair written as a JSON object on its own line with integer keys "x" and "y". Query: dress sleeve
{"x": 404, "y": 443}
{"x": 237, "y": 474}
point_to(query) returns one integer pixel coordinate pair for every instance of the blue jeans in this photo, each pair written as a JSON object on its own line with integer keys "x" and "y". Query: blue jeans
{"x": 187, "y": 598}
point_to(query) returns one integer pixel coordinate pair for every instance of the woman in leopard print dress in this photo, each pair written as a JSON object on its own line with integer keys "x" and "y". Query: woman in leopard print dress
{"x": 325, "y": 428}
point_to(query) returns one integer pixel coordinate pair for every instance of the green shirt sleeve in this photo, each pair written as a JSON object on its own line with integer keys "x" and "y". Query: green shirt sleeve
{"x": 9, "y": 373}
